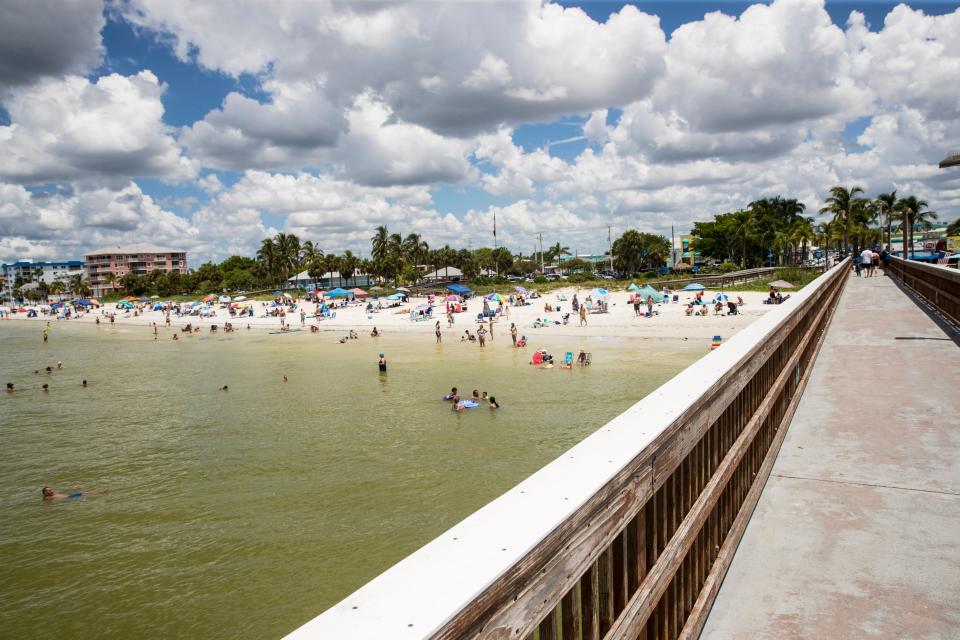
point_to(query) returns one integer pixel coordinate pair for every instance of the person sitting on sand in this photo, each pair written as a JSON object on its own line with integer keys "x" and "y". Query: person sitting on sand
{"x": 689, "y": 310}
{"x": 493, "y": 403}
{"x": 718, "y": 308}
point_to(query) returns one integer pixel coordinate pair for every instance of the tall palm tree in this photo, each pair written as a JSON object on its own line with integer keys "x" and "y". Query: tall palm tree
{"x": 309, "y": 252}
{"x": 887, "y": 207}
{"x": 915, "y": 213}
{"x": 348, "y": 265}
{"x": 744, "y": 227}
{"x": 842, "y": 205}
{"x": 380, "y": 248}
{"x": 288, "y": 247}
{"x": 269, "y": 256}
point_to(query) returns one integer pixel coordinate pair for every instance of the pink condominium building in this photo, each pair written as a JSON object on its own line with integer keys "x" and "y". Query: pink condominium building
{"x": 140, "y": 259}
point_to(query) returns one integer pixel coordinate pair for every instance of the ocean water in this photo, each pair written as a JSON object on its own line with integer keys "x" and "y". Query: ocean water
{"x": 244, "y": 513}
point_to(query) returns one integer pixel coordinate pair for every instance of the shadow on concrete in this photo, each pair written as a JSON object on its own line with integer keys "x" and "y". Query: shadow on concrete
{"x": 945, "y": 324}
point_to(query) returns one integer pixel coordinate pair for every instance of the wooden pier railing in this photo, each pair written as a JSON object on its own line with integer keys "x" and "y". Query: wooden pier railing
{"x": 938, "y": 285}
{"x": 629, "y": 533}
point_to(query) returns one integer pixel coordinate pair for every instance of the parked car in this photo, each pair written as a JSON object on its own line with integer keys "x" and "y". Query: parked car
{"x": 514, "y": 278}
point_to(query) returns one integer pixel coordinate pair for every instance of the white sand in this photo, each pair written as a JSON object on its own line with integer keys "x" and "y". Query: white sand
{"x": 670, "y": 323}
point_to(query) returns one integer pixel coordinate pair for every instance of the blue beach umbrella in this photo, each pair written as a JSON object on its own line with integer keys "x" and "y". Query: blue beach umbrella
{"x": 694, "y": 286}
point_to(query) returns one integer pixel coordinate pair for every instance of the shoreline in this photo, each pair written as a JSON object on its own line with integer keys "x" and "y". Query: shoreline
{"x": 670, "y": 324}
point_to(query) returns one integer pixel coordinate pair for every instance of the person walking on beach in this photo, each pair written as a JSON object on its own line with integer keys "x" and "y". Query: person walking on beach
{"x": 513, "y": 334}
{"x": 449, "y": 319}
{"x": 583, "y": 315}
{"x": 436, "y": 330}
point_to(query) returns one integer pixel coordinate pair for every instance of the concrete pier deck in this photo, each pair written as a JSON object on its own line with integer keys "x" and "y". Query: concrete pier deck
{"x": 857, "y": 531}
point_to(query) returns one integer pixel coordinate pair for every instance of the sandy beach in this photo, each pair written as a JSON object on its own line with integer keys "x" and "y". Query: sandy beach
{"x": 669, "y": 322}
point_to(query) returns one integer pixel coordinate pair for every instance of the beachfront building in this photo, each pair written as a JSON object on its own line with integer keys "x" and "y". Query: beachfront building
{"x": 443, "y": 274}
{"x": 329, "y": 280}
{"x": 139, "y": 259}
{"x": 31, "y": 271}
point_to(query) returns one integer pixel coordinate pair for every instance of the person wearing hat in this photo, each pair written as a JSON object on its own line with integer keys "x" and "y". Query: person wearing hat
{"x": 382, "y": 363}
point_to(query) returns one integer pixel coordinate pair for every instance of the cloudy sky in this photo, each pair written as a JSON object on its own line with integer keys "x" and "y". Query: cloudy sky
{"x": 208, "y": 126}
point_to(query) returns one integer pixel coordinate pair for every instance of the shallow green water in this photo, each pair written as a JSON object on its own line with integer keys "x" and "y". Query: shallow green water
{"x": 243, "y": 514}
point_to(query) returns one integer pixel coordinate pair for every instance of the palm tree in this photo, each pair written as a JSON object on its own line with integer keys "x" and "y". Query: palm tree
{"x": 557, "y": 252}
{"x": 915, "y": 213}
{"x": 288, "y": 248}
{"x": 268, "y": 255}
{"x": 953, "y": 229}
{"x": 886, "y": 207}
{"x": 309, "y": 252}
{"x": 744, "y": 227}
{"x": 79, "y": 286}
{"x": 348, "y": 265}
{"x": 842, "y": 205}
{"x": 379, "y": 248}
{"x": 110, "y": 280}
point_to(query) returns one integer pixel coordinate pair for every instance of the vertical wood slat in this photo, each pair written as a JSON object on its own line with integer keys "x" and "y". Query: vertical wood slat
{"x": 547, "y": 629}
{"x": 588, "y": 604}
{"x": 605, "y": 592}
{"x": 618, "y": 574}
{"x": 568, "y": 616}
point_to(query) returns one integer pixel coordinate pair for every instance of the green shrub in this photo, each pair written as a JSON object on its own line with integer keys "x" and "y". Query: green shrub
{"x": 728, "y": 267}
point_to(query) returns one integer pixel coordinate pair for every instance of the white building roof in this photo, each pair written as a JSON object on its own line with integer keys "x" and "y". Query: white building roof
{"x": 140, "y": 247}
{"x": 305, "y": 275}
{"x": 452, "y": 272}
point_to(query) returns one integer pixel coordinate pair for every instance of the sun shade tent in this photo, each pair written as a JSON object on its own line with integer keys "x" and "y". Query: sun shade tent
{"x": 633, "y": 287}
{"x": 339, "y": 293}
{"x": 359, "y": 292}
{"x": 648, "y": 291}
{"x": 694, "y": 286}
{"x": 459, "y": 288}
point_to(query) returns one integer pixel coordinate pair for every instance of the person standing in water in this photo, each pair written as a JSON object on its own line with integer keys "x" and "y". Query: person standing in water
{"x": 513, "y": 333}
{"x": 382, "y": 364}
{"x": 436, "y": 330}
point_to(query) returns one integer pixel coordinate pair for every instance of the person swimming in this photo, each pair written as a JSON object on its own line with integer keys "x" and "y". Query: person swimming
{"x": 476, "y": 394}
{"x": 11, "y": 387}
{"x": 48, "y": 493}
{"x": 453, "y": 394}
{"x": 224, "y": 388}
{"x": 60, "y": 365}
{"x": 493, "y": 403}
{"x": 284, "y": 378}
{"x": 45, "y": 387}
{"x": 83, "y": 383}
{"x": 382, "y": 364}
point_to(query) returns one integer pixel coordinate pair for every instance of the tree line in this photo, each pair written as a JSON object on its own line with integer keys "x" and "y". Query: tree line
{"x": 775, "y": 230}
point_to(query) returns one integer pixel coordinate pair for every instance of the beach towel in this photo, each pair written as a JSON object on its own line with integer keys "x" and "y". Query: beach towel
{"x": 715, "y": 343}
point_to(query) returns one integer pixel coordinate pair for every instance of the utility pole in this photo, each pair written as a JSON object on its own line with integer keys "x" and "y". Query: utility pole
{"x": 542, "y": 269}
{"x": 496, "y": 262}
{"x": 610, "y": 247}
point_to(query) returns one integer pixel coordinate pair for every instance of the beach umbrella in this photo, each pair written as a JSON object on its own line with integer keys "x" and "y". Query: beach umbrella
{"x": 495, "y": 297}
{"x": 404, "y": 289}
{"x": 781, "y": 284}
{"x": 395, "y": 296}
{"x": 209, "y": 298}
{"x": 454, "y": 298}
{"x": 154, "y": 297}
{"x": 239, "y": 298}
{"x": 722, "y": 297}
{"x": 520, "y": 290}
{"x": 601, "y": 291}
{"x": 694, "y": 286}
{"x": 224, "y": 298}
{"x": 633, "y": 287}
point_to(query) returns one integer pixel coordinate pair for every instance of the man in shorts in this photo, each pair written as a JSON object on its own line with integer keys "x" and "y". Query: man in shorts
{"x": 866, "y": 261}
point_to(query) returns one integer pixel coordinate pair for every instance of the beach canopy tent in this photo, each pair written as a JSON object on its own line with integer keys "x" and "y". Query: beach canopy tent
{"x": 647, "y": 292}
{"x": 85, "y": 302}
{"x": 339, "y": 293}
{"x": 694, "y": 286}
{"x": 125, "y": 305}
{"x": 396, "y": 296}
{"x": 781, "y": 284}
{"x": 359, "y": 292}
{"x": 633, "y": 287}
{"x": 459, "y": 288}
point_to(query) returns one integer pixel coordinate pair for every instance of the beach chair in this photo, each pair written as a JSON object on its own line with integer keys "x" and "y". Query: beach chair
{"x": 568, "y": 358}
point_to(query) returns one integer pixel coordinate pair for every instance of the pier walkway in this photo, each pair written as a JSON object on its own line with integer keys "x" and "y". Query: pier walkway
{"x": 857, "y": 531}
